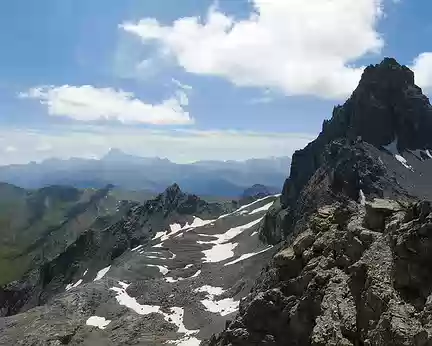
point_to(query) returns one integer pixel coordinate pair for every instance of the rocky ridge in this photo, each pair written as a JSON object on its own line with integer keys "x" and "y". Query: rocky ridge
{"x": 354, "y": 268}
{"x": 105, "y": 239}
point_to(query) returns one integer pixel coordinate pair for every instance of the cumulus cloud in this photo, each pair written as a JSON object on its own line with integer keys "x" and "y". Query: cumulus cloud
{"x": 422, "y": 67}
{"x": 177, "y": 145}
{"x": 298, "y": 47}
{"x": 88, "y": 103}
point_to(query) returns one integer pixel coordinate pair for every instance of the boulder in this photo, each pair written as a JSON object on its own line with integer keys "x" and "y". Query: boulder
{"x": 377, "y": 211}
{"x": 302, "y": 242}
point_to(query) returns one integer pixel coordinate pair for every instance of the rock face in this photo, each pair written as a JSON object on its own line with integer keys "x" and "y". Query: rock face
{"x": 341, "y": 283}
{"x": 355, "y": 265}
{"x": 386, "y": 114}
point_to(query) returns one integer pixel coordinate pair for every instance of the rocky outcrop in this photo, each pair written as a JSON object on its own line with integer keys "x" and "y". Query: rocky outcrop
{"x": 342, "y": 283}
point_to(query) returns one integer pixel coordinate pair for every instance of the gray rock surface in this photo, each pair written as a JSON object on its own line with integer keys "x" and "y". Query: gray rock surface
{"x": 351, "y": 286}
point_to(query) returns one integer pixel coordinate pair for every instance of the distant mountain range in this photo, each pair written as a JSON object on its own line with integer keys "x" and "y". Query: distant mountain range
{"x": 129, "y": 172}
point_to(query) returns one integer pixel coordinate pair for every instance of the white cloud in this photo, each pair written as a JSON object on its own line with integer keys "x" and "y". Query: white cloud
{"x": 298, "y": 47}
{"x": 88, "y": 103}
{"x": 177, "y": 145}
{"x": 422, "y": 67}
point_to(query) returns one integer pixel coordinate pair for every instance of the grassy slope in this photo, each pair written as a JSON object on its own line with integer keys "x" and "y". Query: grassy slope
{"x": 37, "y": 224}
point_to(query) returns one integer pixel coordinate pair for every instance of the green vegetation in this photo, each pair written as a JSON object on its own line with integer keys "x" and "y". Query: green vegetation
{"x": 37, "y": 225}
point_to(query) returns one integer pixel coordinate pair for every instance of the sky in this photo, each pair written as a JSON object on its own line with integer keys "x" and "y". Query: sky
{"x": 193, "y": 79}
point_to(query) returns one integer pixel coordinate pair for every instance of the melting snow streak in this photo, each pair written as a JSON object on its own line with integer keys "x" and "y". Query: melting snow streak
{"x": 102, "y": 273}
{"x": 246, "y": 256}
{"x": 223, "y": 307}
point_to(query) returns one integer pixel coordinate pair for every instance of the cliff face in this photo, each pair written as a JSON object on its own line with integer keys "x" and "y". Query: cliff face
{"x": 353, "y": 268}
{"x": 387, "y": 115}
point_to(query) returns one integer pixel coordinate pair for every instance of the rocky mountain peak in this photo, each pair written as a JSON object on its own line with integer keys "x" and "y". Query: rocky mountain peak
{"x": 394, "y": 74}
{"x": 387, "y": 114}
{"x": 386, "y": 106}
{"x": 171, "y": 195}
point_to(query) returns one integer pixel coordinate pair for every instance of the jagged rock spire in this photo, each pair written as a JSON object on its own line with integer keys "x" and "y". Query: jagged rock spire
{"x": 386, "y": 106}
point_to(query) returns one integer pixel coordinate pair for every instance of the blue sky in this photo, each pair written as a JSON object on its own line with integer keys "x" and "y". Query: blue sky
{"x": 190, "y": 79}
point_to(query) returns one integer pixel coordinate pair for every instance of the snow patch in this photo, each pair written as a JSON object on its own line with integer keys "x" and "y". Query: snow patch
{"x": 428, "y": 153}
{"x": 188, "y": 266}
{"x": 230, "y": 234}
{"x": 241, "y": 210}
{"x": 76, "y": 284}
{"x": 263, "y": 208}
{"x": 223, "y": 307}
{"x": 137, "y": 248}
{"x": 155, "y": 257}
{"x": 175, "y": 227}
{"x": 101, "y": 273}
{"x": 176, "y": 315}
{"x": 392, "y": 148}
{"x": 246, "y": 256}
{"x": 222, "y": 249}
{"x": 362, "y": 198}
{"x": 403, "y": 161}
{"x": 172, "y": 280}
{"x": 255, "y": 202}
{"x": 219, "y": 252}
{"x": 159, "y": 235}
{"x": 163, "y": 270}
{"x": 211, "y": 290}
{"x": 195, "y": 275}
{"x": 123, "y": 298}
{"x": 85, "y": 272}
{"x": 97, "y": 321}
{"x": 223, "y": 216}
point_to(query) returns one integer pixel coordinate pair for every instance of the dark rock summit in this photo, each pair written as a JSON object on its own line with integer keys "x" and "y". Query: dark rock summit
{"x": 386, "y": 106}
{"x": 350, "y": 153}
{"x": 354, "y": 268}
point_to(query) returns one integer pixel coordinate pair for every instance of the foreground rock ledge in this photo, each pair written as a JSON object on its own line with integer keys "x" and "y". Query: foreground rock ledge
{"x": 349, "y": 284}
